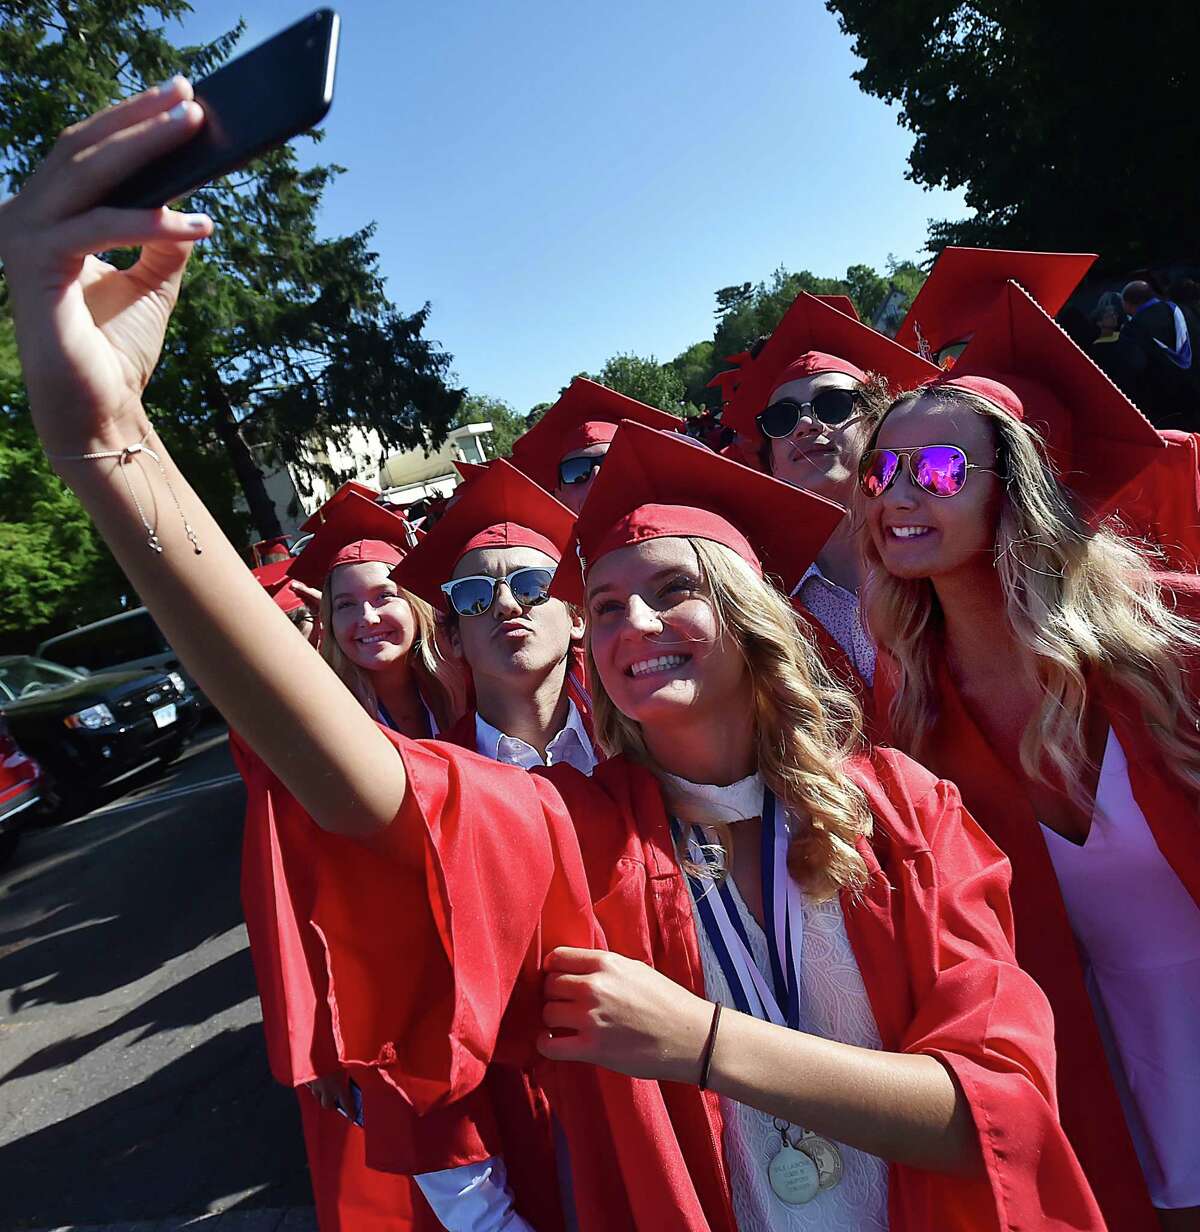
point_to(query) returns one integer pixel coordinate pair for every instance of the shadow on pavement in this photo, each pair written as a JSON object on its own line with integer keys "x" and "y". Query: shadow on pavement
{"x": 209, "y": 1125}
{"x": 87, "y": 910}
{"x": 113, "y": 897}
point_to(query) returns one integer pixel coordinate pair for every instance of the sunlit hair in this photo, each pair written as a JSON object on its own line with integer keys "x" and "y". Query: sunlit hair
{"x": 1084, "y": 604}
{"x": 875, "y": 395}
{"x": 805, "y": 724}
{"x": 439, "y": 678}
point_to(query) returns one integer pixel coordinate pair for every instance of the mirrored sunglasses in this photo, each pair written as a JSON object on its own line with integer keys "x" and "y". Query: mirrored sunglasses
{"x": 830, "y": 406}
{"x": 940, "y": 470}
{"x": 474, "y": 595}
{"x": 578, "y": 470}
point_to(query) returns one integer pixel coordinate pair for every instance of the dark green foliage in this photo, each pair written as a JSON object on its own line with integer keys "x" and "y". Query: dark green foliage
{"x": 1071, "y": 125}
{"x": 281, "y": 336}
{"x": 507, "y": 425}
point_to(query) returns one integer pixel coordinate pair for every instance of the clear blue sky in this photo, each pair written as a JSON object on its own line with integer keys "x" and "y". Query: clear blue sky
{"x": 567, "y": 180}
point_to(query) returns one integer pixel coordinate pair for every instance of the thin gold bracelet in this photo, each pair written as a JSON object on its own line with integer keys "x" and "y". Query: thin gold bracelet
{"x": 132, "y": 453}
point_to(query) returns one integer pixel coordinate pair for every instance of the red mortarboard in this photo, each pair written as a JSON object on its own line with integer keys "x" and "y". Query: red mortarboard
{"x": 587, "y": 414}
{"x": 351, "y": 486}
{"x": 964, "y": 281}
{"x": 1022, "y": 361}
{"x": 470, "y": 470}
{"x": 843, "y": 303}
{"x": 501, "y": 508}
{"x": 811, "y": 338}
{"x": 653, "y": 486}
{"x": 355, "y": 530}
{"x": 275, "y": 579}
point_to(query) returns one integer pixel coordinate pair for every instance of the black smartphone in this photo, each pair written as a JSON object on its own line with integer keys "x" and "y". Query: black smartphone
{"x": 357, "y": 1096}
{"x": 271, "y": 94}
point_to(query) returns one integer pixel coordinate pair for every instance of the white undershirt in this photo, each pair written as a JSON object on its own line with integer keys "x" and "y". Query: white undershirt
{"x": 1139, "y": 932}
{"x": 833, "y": 1005}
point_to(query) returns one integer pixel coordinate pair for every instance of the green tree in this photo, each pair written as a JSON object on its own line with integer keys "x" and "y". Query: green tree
{"x": 759, "y": 313}
{"x": 695, "y": 369}
{"x": 507, "y": 425}
{"x": 749, "y": 311}
{"x": 646, "y": 380}
{"x": 1070, "y": 126}
{"x": 281, "y": 336}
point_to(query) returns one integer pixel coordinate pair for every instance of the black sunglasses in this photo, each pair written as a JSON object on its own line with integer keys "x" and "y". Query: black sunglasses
{"x": 474, "y": 595}
{"x": 830, "y": 406}
{"x": 578, "y": 470}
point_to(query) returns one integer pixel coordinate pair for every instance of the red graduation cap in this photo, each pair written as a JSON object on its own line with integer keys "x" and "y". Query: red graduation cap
{"x": 843, "y": 303}
{"x": 1021, "y": 360}
{"x": 349, "y": 487}
{"x": 501, "y": 508}
{"x": 653, "y": 486}
{"x": 587, "y": 414}
{"x": 470, "y": 470}
{"x": 964, "y": 281}
{"x": 812, "y": 338}
{"x": 355, "y": 530}
{"x": 275, "y": 579}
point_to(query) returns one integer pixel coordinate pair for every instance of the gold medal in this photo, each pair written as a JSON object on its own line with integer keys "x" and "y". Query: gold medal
{"x": 793, "y": 1174}
{"x": 827, "y": 1158}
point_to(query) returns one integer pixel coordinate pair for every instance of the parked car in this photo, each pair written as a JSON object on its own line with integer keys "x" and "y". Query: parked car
{"x": 22, "y": 791}
{"x": 89, "y": 730}
{"x": 127, "y": 640}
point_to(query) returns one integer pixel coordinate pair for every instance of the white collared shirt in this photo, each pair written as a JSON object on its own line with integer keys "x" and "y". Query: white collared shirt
{"x": 572, "y": 745}
{"x": 838, "y": 611}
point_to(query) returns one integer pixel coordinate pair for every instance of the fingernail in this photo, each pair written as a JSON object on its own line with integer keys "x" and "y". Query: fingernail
{"x": 171, "y": 82}
{"x": 180, "y": 111}
{"x": 197, "y": 222}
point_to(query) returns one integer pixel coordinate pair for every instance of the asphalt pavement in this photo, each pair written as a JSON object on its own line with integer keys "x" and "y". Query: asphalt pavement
{"x": 134, "y": 1091}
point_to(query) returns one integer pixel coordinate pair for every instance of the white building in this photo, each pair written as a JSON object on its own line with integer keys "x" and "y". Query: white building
{"x": 402, "y": 477}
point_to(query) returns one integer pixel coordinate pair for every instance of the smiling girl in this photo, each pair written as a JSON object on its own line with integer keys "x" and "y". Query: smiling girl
{"x": 1037, "y": 658}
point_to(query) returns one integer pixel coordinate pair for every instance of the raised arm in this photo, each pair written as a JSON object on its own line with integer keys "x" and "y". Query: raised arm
{"x": 89, "y": 337}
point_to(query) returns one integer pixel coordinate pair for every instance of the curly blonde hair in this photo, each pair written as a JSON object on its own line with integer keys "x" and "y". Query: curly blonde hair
{"x": 439, "y": 678}
{"x": 806, "y": 726}
{"x": 1084, "y": 603}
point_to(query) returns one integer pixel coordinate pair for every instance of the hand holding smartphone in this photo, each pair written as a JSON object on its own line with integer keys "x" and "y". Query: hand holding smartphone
{"x": 267, "y": 96}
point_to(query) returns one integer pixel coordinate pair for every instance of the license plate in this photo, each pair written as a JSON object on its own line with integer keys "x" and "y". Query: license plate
{"x": 164, "y": 716}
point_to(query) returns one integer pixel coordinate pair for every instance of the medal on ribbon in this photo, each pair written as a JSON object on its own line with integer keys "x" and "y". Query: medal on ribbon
{"x": 800, "y": 1170}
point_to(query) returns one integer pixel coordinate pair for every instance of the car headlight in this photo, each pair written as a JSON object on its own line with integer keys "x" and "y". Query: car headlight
{"x": 91, "y": 718}
{"x": 177, "y": 680}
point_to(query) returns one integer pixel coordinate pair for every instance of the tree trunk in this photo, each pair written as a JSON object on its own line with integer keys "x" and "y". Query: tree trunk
{"x": 245, "y": 467}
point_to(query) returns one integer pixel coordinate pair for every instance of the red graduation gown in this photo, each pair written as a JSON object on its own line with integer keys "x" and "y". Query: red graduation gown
{"x": 281, "y": 851}
{"x": 1090, "y": 1108}
{"x": 592, "y": 864}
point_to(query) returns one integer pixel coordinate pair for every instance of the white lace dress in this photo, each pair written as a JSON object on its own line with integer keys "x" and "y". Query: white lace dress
{"x": 834, "y": 1005}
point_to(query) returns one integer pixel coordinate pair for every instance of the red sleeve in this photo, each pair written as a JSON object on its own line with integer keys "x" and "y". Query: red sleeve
{"x": 279, "y": 859}
{"x": 435, "y": 932}
{"x": 991, "y": 1026}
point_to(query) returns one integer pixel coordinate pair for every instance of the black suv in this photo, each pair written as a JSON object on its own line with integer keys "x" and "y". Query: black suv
{"x": 87, "y": 730}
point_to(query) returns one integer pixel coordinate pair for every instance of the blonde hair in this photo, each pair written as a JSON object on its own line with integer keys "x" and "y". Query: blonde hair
{"x": 1082, "y": 602}
{"x": 439, "y": 678}
{"x": 805, "y": 724}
